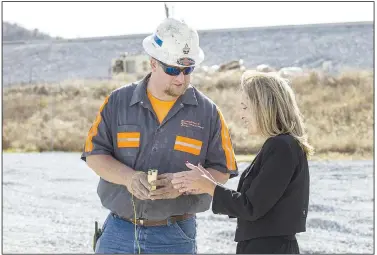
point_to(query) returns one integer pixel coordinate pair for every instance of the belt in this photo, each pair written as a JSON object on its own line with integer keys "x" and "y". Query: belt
{"x": 154, "y": 223}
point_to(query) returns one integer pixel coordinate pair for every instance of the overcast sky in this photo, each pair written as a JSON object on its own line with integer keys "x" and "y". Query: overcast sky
{"x": 90, "y": 19}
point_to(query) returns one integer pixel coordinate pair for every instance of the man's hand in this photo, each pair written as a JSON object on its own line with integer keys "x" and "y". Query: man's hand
{"x": 165, "y": 189}
{"x": 138, "y": 185}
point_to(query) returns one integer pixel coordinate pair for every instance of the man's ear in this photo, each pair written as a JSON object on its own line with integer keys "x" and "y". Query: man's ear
{"x": 153, "y": 63}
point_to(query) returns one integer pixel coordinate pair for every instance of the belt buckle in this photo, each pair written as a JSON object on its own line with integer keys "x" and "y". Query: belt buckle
{"x": 141, "y": 221}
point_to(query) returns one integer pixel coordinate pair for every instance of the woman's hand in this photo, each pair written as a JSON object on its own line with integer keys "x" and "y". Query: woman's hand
{"x": 196, "y": 181}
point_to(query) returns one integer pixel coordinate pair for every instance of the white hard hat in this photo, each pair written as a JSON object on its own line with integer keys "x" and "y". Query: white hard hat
{"x": 174, "y": 43}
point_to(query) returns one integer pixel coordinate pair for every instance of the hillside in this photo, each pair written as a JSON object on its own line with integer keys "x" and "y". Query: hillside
{"x": 15, "y": 32}
{"x": 343, "y": 45}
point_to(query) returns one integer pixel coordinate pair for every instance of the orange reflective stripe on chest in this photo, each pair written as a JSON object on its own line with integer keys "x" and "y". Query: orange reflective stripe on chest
{"x": 128, "y": 139}
{"x": 188, "y": 145}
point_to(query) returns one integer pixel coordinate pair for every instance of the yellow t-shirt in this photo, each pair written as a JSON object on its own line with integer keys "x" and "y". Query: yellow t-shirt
{"x": 161, "y": 108}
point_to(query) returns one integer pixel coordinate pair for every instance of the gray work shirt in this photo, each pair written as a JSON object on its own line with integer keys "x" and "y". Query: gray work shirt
{"x": 128, "y": 129}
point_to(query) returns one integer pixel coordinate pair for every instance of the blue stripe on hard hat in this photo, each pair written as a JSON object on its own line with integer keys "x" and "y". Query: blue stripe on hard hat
{"x": 158, "y": 40}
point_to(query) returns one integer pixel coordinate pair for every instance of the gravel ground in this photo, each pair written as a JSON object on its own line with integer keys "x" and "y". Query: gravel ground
{"x": 50, "y": 205}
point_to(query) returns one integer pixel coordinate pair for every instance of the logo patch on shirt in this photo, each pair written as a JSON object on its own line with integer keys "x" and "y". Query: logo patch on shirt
{"x": 189, "y": 123}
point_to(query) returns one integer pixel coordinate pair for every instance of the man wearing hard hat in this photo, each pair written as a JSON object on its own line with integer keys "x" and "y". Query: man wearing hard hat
{"x": 159, "y": 123}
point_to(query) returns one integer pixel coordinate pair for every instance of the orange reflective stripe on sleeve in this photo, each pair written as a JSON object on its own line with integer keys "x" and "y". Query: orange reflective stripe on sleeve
{"x": 94, "y": 129}
{"x": 227, "y": 144}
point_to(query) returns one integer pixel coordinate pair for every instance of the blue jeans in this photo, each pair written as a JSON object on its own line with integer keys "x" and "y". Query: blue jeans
{"x": 118, "y": 236}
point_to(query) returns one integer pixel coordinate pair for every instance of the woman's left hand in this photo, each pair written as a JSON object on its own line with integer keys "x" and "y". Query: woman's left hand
{"x": 198, "y": 180}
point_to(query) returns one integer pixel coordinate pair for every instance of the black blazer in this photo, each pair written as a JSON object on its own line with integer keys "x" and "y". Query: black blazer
{"x": 273, "y": 192}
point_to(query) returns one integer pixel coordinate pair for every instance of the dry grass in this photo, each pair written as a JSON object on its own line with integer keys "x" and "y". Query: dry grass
{"x": 338, "y": 112}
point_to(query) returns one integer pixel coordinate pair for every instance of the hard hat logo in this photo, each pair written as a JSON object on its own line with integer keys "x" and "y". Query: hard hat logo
{"x": 174, "y": 43}
{"x": 186, "y": 62}
{"x": 186, "y": 49}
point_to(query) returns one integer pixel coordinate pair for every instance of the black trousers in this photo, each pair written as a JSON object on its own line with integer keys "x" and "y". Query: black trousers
{"x": 269, "y": 245}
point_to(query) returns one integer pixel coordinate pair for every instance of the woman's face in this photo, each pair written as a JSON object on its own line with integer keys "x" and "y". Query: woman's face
{"x": 248, "y": 115}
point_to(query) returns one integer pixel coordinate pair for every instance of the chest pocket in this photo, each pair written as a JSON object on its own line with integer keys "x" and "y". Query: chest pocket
{"x": 128, "y": 141}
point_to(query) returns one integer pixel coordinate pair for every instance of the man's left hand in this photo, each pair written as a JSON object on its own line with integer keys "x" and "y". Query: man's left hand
{"x": 165, "y": 189}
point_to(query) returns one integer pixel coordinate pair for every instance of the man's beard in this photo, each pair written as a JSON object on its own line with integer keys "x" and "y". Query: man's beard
{"x": 171, "y": 92}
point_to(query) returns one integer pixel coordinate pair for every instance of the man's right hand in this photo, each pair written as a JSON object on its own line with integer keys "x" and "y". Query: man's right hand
{"x": 138, "y": 185}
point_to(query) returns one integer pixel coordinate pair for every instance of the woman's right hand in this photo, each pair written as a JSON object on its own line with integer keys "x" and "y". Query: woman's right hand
{"x": 198, "y": 180}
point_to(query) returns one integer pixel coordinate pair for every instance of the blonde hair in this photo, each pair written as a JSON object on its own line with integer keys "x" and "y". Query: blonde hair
{"x": 274, "y": 106}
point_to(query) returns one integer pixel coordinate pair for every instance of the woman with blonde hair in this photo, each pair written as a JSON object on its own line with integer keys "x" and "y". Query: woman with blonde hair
{"x": 271, "y": 201}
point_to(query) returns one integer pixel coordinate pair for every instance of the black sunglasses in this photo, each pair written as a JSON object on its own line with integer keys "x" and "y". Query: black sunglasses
{"x": 175, "y": 71}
